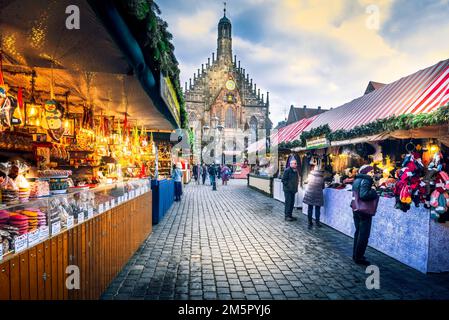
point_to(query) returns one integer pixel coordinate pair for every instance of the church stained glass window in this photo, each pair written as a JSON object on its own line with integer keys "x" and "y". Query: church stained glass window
{"x": 230, "y": 118}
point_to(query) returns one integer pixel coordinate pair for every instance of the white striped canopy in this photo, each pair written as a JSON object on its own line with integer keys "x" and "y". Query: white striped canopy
{"x": 422, "y": 92}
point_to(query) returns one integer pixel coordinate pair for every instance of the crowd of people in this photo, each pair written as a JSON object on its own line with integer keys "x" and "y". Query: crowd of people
{"x": 214, "y": 171}
{"x": 364, "y": 202}
{"x": 201, "y": 174}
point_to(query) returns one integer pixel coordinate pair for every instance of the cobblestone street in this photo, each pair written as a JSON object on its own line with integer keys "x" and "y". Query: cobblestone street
{"x": 235, "y": 244}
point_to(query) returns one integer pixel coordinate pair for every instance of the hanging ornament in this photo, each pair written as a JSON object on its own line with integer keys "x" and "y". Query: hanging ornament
{"x": 52, "y": 119}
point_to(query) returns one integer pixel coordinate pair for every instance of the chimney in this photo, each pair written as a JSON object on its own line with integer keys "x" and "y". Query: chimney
{"x": 255, "y": 88}
{"x": 305, "y": 107}
{"x": 235, "y": 60}
{"x": 258, "y": 93}
{"x": 190, "y": 80}
{"x": 251, "y": 84}
{"x": 208, "y": 62}
{"x": 199, "y": 74}
{"x": 202, "y": 68}
{"x": 319, "y": 107}
{"x": 239, "y": 64}
{"x": 247, "y": 77}
{"x": 213, "y": 57}
{"x": 186, "y": 86}
{"x": 263, "y": 98}
{"x": 268, "y": 98}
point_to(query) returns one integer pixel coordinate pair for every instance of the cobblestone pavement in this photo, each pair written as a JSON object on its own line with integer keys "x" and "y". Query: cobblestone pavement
{"x": 234, "y": 244}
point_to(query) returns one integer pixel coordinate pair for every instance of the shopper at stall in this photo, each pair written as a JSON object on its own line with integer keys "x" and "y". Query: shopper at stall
{"x": 290, "y": 180}
{"x": 177, "y": 177}
{"x": 363, "y": 191}
{"x": 313, "y": 195}
{"x": 204, "y": 173}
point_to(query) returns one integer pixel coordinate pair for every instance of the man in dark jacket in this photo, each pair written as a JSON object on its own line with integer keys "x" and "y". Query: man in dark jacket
{"x": 213, "y": 177}
{"x": 363, "y": 185}
{"x": 290, "y": 180}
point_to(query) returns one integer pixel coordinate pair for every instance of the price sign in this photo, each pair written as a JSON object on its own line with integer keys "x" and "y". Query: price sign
{"x": 21, "y": 243}
{"x": 90, "y": 213}
{"x": 126, "y": 196}
{"x": 100, "y": 208}
{"x": 44, "y": 233}
{"x": 112, "y": 203}
{"x": 70, "y": 222}
{"x": 107, "y": 206}
{"x": 33, "y": 238}
{"x": 1, "y": 252}
{"x": 55, "y": 228}
{"x": 81, "y": 217}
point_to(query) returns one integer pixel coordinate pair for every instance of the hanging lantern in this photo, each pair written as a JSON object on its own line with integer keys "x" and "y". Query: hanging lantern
{"x": 33, "y": 114}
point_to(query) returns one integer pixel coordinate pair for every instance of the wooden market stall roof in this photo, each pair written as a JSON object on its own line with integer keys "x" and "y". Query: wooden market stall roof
{"x": 94, "y": 64}
{"x": 422, "y": 92}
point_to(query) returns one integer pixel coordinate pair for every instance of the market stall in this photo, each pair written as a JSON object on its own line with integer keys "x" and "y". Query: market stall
{"x": 75, "y": 148}
{"x": 402, "y": 131}
{"x": 163, "y": 197}
{"x": 278, "y": 160}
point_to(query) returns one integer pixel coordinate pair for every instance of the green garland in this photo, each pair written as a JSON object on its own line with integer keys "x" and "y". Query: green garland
{"x": 393, "y": 123}
{"x": 152, "y": 33}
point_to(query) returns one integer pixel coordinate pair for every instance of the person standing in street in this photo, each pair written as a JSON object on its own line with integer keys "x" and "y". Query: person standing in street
{"x": 225, "y": 174}
{"x": 176, "y": 175}
{"x": 363, "y": 189}
{"x": 290, "y": 181}
{"x": 213, "y": 177}
{"x": 313, "y": 195}
{"x": 204, "y": 173}
{"x": 195, "y": 170}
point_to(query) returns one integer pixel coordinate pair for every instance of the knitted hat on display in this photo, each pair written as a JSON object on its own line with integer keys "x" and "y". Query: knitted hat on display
{"x": 365, "y": 169}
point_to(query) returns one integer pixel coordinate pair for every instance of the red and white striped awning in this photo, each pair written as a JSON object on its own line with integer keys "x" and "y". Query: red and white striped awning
{"x": 422, "y": 92}
{"x": 291, "y": 132}
{"x": 285, "y": 134}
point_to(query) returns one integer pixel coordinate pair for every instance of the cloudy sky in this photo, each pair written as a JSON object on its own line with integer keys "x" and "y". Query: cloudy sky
{"x": 314, "y": 52}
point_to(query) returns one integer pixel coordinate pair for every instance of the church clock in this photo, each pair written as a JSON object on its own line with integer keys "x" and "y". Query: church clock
{"x": 230, "y": 85}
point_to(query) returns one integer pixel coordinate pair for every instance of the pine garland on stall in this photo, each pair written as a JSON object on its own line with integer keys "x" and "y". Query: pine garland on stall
{"x": 393, "y": 123}
{"x": 154, "y": 37}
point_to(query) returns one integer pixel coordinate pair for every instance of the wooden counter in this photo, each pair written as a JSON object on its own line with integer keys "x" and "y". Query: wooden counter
{"x": 100, "y": 247}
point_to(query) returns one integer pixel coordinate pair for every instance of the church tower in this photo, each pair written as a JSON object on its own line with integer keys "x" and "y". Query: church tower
{"x": 224, "y": 41}
{"x": 222, "y": 93}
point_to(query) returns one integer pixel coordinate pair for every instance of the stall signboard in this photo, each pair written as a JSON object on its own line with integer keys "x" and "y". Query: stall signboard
{"x": 168, "y": 94}
{"x": 90, "y": 213}
{"x": 44, "y": 233}
{"x": 81, "y": 217}
{"x": 100, "y": 208}
{"x": 33, "y": 238}
{"x": 21, "y": 243}
{"x": 70, "y": 222}
{"x": 317, "y": 143}
{"x": 55, "y": 228}
{"x": 1, "y": 252}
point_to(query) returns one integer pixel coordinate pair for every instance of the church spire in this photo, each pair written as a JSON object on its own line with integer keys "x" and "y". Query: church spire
{"x": 224, "y": 41}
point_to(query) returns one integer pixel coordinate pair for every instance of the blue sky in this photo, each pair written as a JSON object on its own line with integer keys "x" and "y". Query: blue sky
{"x": 314, "y": 52}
